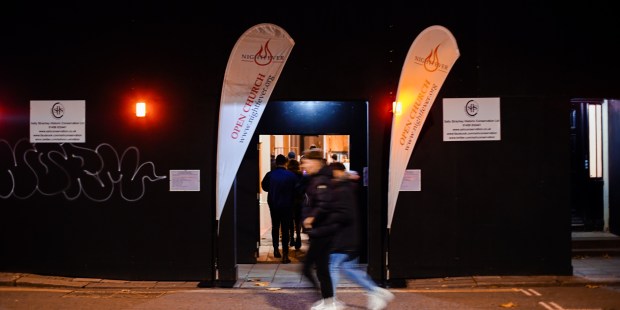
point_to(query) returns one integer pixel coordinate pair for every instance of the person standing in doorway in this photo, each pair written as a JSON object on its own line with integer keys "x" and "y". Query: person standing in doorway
{"x": 334, "y": 158}
{"x": 279, "y": 184}
{"x": 295, "y": 226}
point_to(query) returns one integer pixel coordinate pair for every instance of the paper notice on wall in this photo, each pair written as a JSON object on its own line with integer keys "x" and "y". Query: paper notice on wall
{"x": 184, "y": 180}
{"x": 411, "y": 181}
{"x": 57, "y": 121}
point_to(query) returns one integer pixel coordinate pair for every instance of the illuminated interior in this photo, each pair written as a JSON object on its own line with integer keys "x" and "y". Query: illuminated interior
{"x": 273, "y": 145}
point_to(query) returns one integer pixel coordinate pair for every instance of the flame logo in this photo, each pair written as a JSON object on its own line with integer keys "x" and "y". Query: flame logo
{"x": 263, "y": 57}
{"x": 431, "y": 62}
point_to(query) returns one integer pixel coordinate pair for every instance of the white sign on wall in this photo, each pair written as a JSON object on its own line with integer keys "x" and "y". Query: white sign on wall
{"x": 57, "y": 121}
{"x": 184, "y": 180}
{"x": 412, "y": 181}
{"x": 471, "y": 119}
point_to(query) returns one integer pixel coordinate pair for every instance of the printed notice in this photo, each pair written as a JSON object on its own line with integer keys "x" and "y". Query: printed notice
{"x": 471, "y": 119}
{"x": 411, "y": 181}
{"x": 57, "y": 121}
{"x": 184, "y": 180}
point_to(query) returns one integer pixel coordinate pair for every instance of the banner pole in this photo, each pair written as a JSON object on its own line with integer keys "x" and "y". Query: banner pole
{"x": 387, "y": 259}
{"x": 216, "y": 265}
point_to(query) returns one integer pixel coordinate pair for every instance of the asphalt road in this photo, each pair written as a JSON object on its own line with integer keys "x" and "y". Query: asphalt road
{"x": 544, "y": 298}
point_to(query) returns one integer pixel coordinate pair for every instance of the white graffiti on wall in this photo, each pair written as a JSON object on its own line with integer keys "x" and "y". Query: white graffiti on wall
{"x": 66, "y": 169}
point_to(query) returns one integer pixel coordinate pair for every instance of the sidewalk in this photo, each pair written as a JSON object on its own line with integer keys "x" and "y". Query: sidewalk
{"x": 594, "y": 271}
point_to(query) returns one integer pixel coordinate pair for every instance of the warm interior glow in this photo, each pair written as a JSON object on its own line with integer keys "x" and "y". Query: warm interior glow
{"x": 595, "y": 140}
{"x": 397, "y": 108}
{"x": 140, "y": 109}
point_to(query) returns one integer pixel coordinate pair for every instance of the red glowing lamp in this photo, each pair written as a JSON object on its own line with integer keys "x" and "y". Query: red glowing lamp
{"x": 140, "y": 109}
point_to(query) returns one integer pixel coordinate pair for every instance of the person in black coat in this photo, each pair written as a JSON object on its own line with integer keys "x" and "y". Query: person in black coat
{"x": 343, "y": 223}
{"x": 317, "y": 201}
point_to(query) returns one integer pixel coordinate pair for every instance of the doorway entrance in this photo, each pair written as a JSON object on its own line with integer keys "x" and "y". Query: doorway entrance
{"x": 339, "y": 128}
{"x": 334, "y": 147}
{"x": 589, "y": 162}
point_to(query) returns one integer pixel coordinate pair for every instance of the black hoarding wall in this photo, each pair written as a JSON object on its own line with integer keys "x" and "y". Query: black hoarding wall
{"x": 488, "y": 207}
{"x": 505, "y": 199}
{"x": 104, "y": 208}
{"x": 78, "y": 209}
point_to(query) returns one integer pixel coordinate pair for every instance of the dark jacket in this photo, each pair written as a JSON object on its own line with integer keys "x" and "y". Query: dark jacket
{"x": 342, "y": 219}
{"x": 348, "y": 232}
{"x": 279, "y": 184}
{"x": 298, "y": 195}
{"x": 317, "y": 196}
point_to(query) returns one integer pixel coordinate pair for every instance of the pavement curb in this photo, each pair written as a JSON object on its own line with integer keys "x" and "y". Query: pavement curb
{"x": 510, "y": 281}
{"x": 40, "y": 281}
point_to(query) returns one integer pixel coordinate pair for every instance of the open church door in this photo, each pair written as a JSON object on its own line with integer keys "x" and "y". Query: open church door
{"x": 297, "y": 118}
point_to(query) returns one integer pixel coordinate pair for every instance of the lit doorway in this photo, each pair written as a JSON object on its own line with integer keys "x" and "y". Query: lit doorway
{"x": 295, "y": 125}
{"x": 334, "y": 147}
{"x": 589, "y": 165}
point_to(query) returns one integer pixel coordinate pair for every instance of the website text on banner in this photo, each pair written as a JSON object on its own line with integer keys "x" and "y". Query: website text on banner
{"x": 429, "y": 60}
{"x": 253, "y": 69}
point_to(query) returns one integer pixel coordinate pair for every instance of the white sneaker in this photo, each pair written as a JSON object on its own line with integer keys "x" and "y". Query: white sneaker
{"x": 328, "y": 304}
{"x": 375, "y": 302}
{"x": 385, "y": 294}
{"x": 339, "y": 303}
{"x": 379, "y": 298}
{"x": 319, "y": 305}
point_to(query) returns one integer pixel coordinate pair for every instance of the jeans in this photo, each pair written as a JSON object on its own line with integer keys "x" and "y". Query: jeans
{"x": 341, "y": 262}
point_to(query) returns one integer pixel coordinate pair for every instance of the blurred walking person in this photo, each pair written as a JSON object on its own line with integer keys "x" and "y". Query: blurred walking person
{"x": 345, "y": 223}
{"x": 315, "y": 217}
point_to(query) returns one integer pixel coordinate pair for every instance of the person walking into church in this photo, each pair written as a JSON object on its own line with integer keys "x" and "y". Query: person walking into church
{"x": 295, "y": 226}
{"x": 279, "y": 184}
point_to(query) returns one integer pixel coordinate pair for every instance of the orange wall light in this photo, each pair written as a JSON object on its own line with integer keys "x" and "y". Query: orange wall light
{"x": 397, "y": 108}
{"x": 140, "y": 109}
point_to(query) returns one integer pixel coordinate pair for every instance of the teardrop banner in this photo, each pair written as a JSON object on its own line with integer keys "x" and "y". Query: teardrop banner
{"x": 429, "y": 60}
{"x": 253, "y": 69}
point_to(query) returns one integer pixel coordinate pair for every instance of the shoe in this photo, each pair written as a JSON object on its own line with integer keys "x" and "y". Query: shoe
{"x": 339, "y": 303}
{"x": 298, "y": 243}
{"x": 326, "y": 304}
{"x": 384, "y": 294}
{"x": 276, "y": 253}
{"x": 286, "y": 260}
{"x": 375, "y": 302}
{"x": 379, "y": 298}
{"x": 319, "y": 305}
